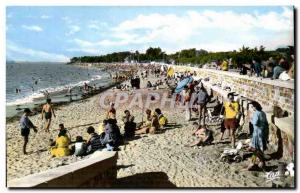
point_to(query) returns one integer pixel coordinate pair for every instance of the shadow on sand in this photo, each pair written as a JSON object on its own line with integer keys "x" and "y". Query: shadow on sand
{"x": 145, "y": 180}
{"x": 170, "y": 126}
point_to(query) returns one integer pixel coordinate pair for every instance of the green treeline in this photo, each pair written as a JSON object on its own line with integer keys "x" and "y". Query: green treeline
{"x": 190, "y": 56}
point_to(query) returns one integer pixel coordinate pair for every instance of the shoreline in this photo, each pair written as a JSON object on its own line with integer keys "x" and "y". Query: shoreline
{"x": 37, "y": 108}
{"x": 58, "y": 93}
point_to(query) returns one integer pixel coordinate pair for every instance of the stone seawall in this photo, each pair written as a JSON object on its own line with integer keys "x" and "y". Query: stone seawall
{"x": 268, "y": 93}
{"x": 98, "y": 171}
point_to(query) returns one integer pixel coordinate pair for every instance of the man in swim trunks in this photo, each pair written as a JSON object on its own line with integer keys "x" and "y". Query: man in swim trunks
{"x": 47, "y": 113}
{"x": 230, "y": 122}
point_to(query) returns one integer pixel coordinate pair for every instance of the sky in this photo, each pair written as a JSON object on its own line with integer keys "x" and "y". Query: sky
{"x": 58, "y": 33}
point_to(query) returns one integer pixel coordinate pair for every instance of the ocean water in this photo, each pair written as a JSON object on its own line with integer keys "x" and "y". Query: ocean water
{"x": 33, "y": 79}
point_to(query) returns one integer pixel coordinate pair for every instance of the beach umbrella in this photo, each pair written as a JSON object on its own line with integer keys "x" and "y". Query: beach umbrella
{"x": 181, "y": 84}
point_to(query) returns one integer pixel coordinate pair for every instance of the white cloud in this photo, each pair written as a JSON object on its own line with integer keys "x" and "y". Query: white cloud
{"x": 73, "y": 29}
{"x": 17, "y": 52}
{"x": 97, "y": 25}
{"x": 46, "y": 17}
{"x": 174, "y": 30}
{"x": 32, "y": 28}
{"x": 94, "y": 26}
{"x": 94, "y": 47}
{"x": 208, "y": 29}
{"x": 85, "y": 50}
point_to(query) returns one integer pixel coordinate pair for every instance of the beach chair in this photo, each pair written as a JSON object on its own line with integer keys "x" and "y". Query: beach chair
{"x": 213, "y": 119}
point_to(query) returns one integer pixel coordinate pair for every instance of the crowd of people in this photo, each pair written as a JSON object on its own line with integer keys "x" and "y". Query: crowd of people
{"x": 282, "y": 69}
{"x": 193, "y": 95}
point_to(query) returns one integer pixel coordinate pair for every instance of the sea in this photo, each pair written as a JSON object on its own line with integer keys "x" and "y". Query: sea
{"x": 27, "y": 83}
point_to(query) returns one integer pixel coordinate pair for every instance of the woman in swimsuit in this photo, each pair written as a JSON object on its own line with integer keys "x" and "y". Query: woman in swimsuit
{"x": 47, "y": 113}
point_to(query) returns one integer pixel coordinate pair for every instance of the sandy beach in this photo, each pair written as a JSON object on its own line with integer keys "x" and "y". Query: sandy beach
{"x": 162, "y": 152}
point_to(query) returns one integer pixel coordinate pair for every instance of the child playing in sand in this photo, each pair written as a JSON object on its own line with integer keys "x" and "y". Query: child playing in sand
{"x": 204, "y": 135}
{"x": 26, "y": 124}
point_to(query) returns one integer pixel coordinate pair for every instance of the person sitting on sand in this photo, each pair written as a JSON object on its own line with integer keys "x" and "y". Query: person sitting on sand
{"x": 47, "y": 114}
{"x": 112, "y": 136}
{"x": 204, "y": 135}
{"x": 152, "y": 124}
{"x": 62, "y": 143}
{"x": 101, "y": 128}
{"x": 146, "y": 123}
{"x": 130, "y": 125}
{"x": 111, "y": 114}
{"x": 163, "y": 121}
{"x": 26, "y": 124}
{"x": 80, "y": 146}
{"x": 62, "y": 127}
{"x": 94, "y": 142}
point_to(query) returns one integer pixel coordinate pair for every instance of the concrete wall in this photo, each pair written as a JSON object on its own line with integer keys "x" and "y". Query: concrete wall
{"x": 268, "y": 93}
{"x": 98, "y": 171}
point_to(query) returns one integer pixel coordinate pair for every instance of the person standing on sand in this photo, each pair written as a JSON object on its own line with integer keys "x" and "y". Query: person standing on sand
{"x": 230, "y": 121}
{"x": 260, "y": 135}
{"x": 201, "y": 100}
{"x": 111, "y": 113}
{"x": 26, "y": 124}
{"x": 187, "y": 94}
{"x": 47, "y": 113}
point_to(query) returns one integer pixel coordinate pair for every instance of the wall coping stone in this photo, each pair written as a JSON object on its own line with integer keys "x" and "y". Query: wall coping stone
{"x": 280, "y": 83}
{"x": 39, "y": 179}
